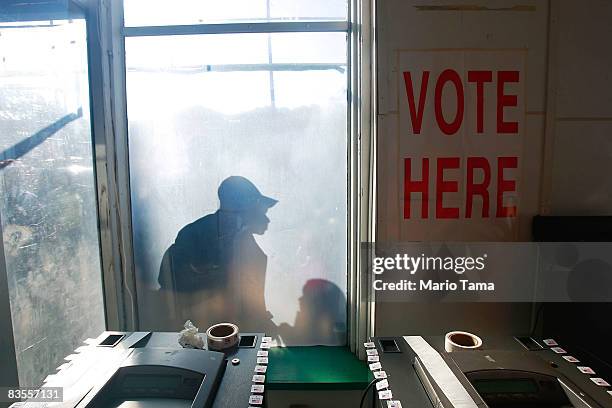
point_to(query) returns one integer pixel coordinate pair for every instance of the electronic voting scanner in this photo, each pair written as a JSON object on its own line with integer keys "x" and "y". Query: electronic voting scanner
{"x": 162, "y": 377}
{"x": 506, "y": 372}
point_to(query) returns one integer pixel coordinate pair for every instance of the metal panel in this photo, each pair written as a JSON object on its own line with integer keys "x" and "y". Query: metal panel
{"x": 236, "y": 28}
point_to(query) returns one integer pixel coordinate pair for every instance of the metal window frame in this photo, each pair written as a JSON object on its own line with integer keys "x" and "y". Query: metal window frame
{"x": 241, "y": 28}
{"x": 362, "y": 172}
{"x": 9, "y": 376}
{"x": 112, "y": 161}
{"x": 109, "y": 123}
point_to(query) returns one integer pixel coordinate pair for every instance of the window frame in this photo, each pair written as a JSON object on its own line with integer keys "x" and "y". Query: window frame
{"x": 111, "y": 138}
{"x": 8, "y": 355}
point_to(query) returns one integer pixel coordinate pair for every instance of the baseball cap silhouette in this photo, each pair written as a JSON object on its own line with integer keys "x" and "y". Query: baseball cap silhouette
{"x": 237, "y": 193}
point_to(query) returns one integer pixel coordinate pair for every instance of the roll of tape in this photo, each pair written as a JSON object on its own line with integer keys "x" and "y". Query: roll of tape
{"x": 222, "y": 336}
{"x": 461, "y": 341}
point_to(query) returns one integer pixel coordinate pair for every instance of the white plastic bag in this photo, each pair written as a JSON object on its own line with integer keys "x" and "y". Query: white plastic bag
{"x": 189, "y": 337}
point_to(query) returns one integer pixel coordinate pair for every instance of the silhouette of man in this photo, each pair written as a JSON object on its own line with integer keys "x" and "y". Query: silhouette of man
{"x": 216, "y": 268}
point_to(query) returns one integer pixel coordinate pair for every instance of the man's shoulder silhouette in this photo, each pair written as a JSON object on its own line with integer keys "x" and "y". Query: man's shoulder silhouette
{"x": 191, "y": 231}
{"x": 199, "y": 254}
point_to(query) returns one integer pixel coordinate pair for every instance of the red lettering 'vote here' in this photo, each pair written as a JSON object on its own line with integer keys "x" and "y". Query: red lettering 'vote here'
{"x": 474, "y": 166}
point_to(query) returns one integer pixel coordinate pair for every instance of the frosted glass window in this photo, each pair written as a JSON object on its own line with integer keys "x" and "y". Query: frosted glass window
{"x": 180, "y": 12}
{"x": 47, "y": 193}
{"x": 238, "y": 168}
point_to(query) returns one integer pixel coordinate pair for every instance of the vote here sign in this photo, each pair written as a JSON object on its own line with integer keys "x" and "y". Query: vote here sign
{"x": 461, "y": 125}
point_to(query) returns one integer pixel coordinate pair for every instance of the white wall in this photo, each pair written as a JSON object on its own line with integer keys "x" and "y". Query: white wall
{"x": 579, "y": 140}
{"x": 566, "y": 154}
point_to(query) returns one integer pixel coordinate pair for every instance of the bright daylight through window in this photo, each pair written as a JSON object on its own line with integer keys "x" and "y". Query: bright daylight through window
{"x": 47, "y": 191}
{"x": 238, "y": 147}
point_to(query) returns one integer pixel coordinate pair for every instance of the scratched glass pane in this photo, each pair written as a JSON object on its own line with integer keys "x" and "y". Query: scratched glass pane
{"x": 47, "y": 193}
{"x": 180, "y": 12}
{"x": 269, "y": 249}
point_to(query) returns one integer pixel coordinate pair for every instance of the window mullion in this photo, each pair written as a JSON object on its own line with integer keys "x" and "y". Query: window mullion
{"x": 239, "y": 28}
